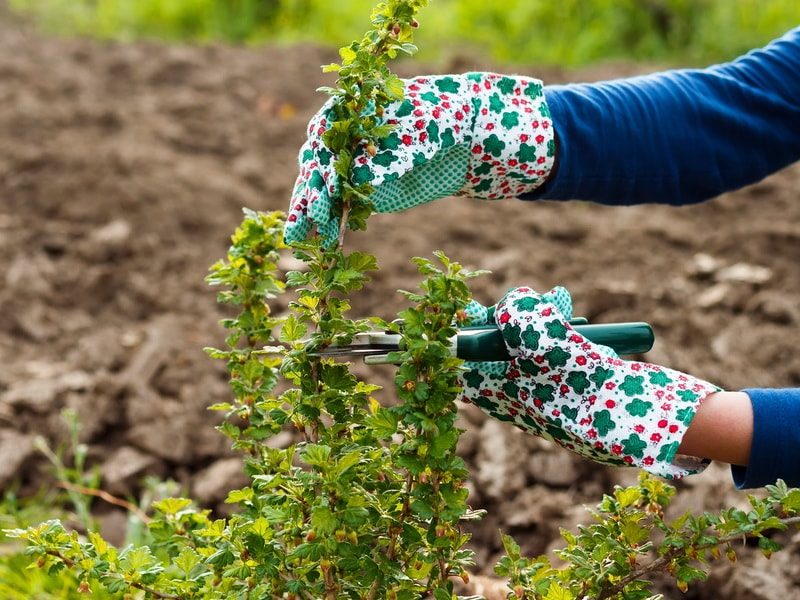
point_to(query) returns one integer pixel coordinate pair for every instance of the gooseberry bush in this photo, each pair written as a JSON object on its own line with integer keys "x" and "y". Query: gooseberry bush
{"x": 370, "y": 502}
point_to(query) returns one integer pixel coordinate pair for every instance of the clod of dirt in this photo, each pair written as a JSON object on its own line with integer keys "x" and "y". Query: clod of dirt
{"x": 15, "y": 449}
{"x": 499, "y": 475}
{"x": 212, "y": 484}
{"x": 744, "y": 273}
{"x": 123, "y": 469}
{"x": 552, "y": 466}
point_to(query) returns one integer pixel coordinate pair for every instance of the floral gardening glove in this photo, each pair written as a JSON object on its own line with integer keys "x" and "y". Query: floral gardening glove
{"x": 567, "y": 389}
{"x": 482, "y": 135}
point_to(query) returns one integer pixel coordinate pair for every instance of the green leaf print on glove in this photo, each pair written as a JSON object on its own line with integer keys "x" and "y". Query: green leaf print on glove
{"x": 481, "y": 135}
{"x": 574, "y": 392}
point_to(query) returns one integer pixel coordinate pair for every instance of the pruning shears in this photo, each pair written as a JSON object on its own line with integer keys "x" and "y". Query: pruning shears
{"x": 485, "y": 342}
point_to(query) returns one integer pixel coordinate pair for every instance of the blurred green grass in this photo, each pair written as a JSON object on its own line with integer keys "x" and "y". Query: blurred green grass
{"x": 566, "y": 32}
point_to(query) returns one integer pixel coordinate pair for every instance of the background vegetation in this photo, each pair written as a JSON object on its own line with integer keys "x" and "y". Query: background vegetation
{"x": 569, "y": 32}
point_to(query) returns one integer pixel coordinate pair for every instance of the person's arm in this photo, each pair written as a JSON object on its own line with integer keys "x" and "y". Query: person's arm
{"x": 677, "y": 137}
{"x": 757, "y": 431}
{"x": 722, "y": 429}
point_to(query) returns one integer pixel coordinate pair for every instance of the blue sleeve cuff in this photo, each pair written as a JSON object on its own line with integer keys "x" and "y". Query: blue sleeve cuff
{"x": 775, "y": 450}
{"x": 677, "y": 137}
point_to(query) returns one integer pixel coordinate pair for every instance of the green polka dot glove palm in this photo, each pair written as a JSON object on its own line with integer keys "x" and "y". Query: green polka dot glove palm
{"x": 481, "y": 135}
{"x": 567, "y": 389}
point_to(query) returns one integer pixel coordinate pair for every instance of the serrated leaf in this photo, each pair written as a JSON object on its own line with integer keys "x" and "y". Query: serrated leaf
{"x": 383, "y": 423}
{"x": 346, "y": 462}
{"x": 187, "y": 560}
{"x": 172, "y": 506}
{"x": 394, "y": 87}
{"x": 556, "y": 592}
{"x": 323, "y": 520}
{"x": 137, "y": 560}
{"x": 100, "y": 545}
{"x": 242, "y": 495}
{"x": 354, "y": 515}
{"x": 292, "y": 330}
{"x": 442, "y": 594}
{"x": 348, "y": 55}
{"x": 791, "y": 502}
{"x": 628, "y": 496}
{"x": 316, "y": 455}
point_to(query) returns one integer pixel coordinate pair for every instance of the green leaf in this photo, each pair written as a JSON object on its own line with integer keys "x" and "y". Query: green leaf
{"x": 292, "y": 329}
{"x": 383, "y": 423}
{"x": 442, "y": 594}
{"x": 100, "y": 545}
{"x": 187, "y": 560}
{"x": 316, "y": 455}
{"x": 628, "y": 496}
{"x": 346, "y": 462}
{"x": 172, "y": 506}
{"x": 394, "y": 87}
{"x": 354, "y": 516}
{"x": 323, "y": 520}
{"x": 137, "y": 560}
{"x": 222, "y": 557}
{"x": 422, "y": 508}
{"x": 348, "y": 55}
{"x": 242, "y": 495}
{"x": 556, "y": 592}
{"x": 791, "y": 502}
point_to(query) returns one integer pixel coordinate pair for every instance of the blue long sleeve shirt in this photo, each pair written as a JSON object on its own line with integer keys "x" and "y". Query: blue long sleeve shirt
{"x": 681, "y": 137}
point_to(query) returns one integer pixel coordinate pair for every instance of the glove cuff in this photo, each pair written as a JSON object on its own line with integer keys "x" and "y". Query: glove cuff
{"x": 513, "y": 143}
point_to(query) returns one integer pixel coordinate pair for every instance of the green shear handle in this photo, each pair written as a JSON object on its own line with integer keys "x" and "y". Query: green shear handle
{"x": 485, "y": 342}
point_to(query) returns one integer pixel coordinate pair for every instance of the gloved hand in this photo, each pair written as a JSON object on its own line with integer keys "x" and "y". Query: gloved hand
{"x": 567, "y": 389}
{"x": 480, "y": 134}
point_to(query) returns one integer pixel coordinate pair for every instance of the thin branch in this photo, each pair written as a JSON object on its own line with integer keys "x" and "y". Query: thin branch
{"x": 662, "y": 561}
{"x": 103, "y": 495}
{"x": 343, "y": 223}
{"x": 156, "y": 593}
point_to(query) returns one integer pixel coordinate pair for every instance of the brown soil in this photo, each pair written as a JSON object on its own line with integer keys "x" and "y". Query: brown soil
{"x": 123, "y": 170}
